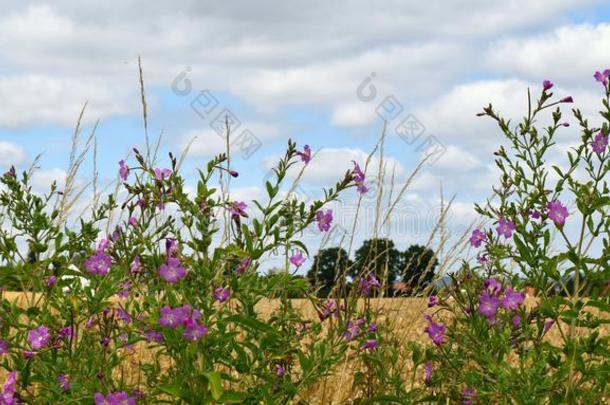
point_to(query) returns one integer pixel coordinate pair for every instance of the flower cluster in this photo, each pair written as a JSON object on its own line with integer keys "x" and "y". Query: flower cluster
{"x": 114, "y": 398}
{"x": 100, "y": 262}
{"x": 186, "y": 317}
{"x": 491, "y": 299}
{"x": 172, "y": 271}
{"x": 367, "y": 283}
{"x": 358, "y": 329}
{"x": 435, "y": 331}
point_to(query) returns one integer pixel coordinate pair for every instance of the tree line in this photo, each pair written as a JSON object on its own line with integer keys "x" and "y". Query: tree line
{"x": 404, "y": 272}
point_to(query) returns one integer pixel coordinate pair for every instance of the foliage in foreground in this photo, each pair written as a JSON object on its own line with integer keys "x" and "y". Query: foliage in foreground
{"x": 550, "y": 226}
{"x": 179, "y": 277}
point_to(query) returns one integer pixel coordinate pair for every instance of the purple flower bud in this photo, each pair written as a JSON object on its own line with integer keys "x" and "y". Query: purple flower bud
{"x": 305, "y": 155}
{"x": 222, "y": 294}
{"x": 51, "y": 280}
{"x": 547, "y": 85}
{"x": 428, "y": 372}
{"x": 297, "y": 259}
{"x": 370, "y": 344}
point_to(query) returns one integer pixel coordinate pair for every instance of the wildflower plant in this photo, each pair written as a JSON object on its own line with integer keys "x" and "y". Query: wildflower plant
{"x": 177, "y": 279}
{"x": 547, "y": 229}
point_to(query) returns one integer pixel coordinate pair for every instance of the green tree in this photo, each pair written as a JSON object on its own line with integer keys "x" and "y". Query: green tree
{"x": 328, "y": 265}
{"x": 418, "y": 266}
{"x": 378, "y": 256}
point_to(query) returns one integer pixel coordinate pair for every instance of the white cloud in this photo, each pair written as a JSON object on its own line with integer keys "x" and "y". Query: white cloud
{"x": 208, "y": 142}
{"x": 353, "y": 115}
{"x": 457, "y": 159}
{"x": 11, "y": 154}
{"x": 568, "y": 54}
{"x": 43, "y": 178}
{"x": 35, "y": 99}
{"x": 264, "y": 53}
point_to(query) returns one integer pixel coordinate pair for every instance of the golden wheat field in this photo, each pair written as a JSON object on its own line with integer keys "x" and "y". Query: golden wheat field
{"x": 402, "y": 316}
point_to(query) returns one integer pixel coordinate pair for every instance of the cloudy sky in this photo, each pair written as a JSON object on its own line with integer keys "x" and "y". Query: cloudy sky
{"x": 324, "y": 73}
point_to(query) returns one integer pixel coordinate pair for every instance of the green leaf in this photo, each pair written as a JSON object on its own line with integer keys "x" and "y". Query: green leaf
{"x": 232, "y": 397}
{"x": 172, "y": 389}
{"x": 215, "y": 384}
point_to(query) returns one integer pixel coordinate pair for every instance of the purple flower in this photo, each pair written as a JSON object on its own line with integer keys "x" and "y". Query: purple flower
{"x": 351, "y": 332}
{"x": 568, "y": 99}
{"x": 512, "y": 299}
{"x": 152, "y": 335}
{"x": 105, "y": 341}
{"x": 435, "y": 331}
{"x": 8, "y": 390}
{"x": 99, "y": 264}
{"x": 602, "y": 77}
{"x": 547, "y": 326}
{"x": 547, "y": 85}
{"x": 324, "y": 220}
{"x": 171, "y": 247}
{"x": 51, "y": 280}
{"x": 194, "y": 331}
{"x": 557, "y": 212}
{"x": 172, "y": 271}
{"x": 328, "y": 308}
{"x": 28, "y": 354}
{"x": 3, "y": 347}
{"x": 136, "y": 265}
{"x": 132, "y": 221}
{"x": 370, "y": 344}
{"x": 161, "y": 174}
{"x": 222, "y": 294}
{"x": 428, "y": 371}
{"x": 505, "y": 228}
{"x": 358, "y": 177}
{"x": 65, "y": 332}
{"x": 102, "y": 246}
{"x": 64, "y": 382}
{"x": 306, "y": 154}
{"x": 372, "y": 328}
{"x": 280, "y": 371}
{"x": 477, "y": 238}
{"x": 516, "y": 320}
{"x": 114, "y": 398}
{"x": 298, "y": 259}
{"x": 39, "y": 337}
{"x": 488, "y": 305}
{"x": 492, "y": 286}
{"x": 600, "y": 143}
{"x": 243, "y": 266}
{"x": 534, "y": 214}
{"x": 123, "y": 170}
{"x": 366, "y": 284}
{"x": 432, "y": 301}
{"x": 237, "y": 209}
{"x": 233, "y": 173}
{"x": 468, "y": 395}
{"x": 171, "y": 318}
{"x": 125, "y": 290}
{"x": 482, "y": 259}
{"x": 122, "y": 315}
